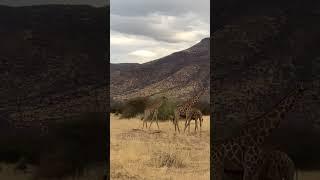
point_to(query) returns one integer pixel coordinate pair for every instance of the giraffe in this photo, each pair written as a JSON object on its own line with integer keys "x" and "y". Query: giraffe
{"x": 181, "y": 110}
{"x": 194, "y": 114}
{"x": 152, "y": 110}
{"x": 244, "y": 150}
{"x": 277, "y": 166}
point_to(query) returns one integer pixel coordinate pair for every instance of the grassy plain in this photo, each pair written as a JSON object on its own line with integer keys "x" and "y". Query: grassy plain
{"x": 159, "y": 155}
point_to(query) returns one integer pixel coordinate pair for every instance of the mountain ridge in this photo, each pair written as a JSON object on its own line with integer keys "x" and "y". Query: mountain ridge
{"x": 172, "y": 75}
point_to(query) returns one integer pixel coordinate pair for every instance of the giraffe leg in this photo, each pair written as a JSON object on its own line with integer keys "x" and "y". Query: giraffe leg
{"x": 176, "y": 119}
{"x": 185, "y": 125}
{"x": 157, "y": 120}
{"x": 217, "y": 166}
{"x": 143, "y": 123}
{"x": 252, "y": 164}
{"x": 152, "y": 120}
{"x": 187, "y": 122}
{"x": 177, "y": 123}
{"x": 196, "y": 126}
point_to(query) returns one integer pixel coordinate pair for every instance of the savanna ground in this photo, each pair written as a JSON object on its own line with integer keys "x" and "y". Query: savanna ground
{"x": 162, "y": 155}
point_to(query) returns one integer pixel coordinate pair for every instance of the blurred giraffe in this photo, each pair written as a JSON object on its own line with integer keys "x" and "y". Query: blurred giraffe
{"x": 152, "y": 110}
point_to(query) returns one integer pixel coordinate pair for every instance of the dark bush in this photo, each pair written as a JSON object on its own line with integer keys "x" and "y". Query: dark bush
{"x": 116, "y": 106}
{"x": 166, "y": 110}
{"x": 136, "y": 106}
{"x": 133, "y": 107}
{"x": 204, "y": 107}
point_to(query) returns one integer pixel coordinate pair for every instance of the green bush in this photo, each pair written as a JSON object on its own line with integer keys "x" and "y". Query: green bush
{"x": 133, "y": 107}
{"x": 166, "y": 110}
{"x": 136, "y": 106}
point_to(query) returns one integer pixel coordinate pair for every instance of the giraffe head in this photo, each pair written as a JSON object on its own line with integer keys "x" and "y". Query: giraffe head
{"x": 292, "y": 98}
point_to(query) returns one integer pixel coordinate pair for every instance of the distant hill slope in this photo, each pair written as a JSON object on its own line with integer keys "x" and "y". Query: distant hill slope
{"x": 173, "y": 75}
{"x": 52, "y": 60}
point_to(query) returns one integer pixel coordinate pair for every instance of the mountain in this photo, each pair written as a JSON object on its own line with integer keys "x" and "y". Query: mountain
{"x": 173, "y": 75}
{"x": 52, "y": 61}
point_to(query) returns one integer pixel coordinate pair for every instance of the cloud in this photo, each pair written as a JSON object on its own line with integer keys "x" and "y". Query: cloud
{"x": 169, "y": 7}
{"x": 143, "y": 53}
{"x": 123, "y": 46}
{"x": 160, "y": 27}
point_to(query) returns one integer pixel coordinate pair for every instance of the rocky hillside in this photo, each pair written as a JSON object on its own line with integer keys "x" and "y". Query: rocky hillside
{"x": 260, "y": 52}
{"x": 175, "y": 75}
{"x": 52, "y": 61}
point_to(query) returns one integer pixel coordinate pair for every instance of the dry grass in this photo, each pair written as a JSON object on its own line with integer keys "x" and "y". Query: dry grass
{"x": 308, "y": 175}
{"x": 162, "y": 155}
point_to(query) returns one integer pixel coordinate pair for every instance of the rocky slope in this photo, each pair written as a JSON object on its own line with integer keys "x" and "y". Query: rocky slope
{"x": 52, "y": 61}
{"x": 175, "y": 75}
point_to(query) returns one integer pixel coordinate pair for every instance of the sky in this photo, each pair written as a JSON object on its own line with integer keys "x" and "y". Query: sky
{"x": 145, "y": 30}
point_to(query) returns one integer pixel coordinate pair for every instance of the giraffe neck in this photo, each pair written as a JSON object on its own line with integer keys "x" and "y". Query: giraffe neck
{"x": 261, "y": 127}
{"x": 157, "y": 104}
{"x": 195, "y": 99}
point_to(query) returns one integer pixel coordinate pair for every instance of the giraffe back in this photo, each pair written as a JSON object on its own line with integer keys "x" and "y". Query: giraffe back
{"x": 195, "y": 114}
{"x": 278, "y": 166}
{"x": 185, "y": 107}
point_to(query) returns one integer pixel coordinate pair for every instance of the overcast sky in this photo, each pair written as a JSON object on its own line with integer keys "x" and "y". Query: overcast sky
{"x": 144, "y": 30}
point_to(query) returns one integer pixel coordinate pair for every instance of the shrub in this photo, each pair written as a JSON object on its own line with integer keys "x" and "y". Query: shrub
{"x": 166, "y": 110}
{"x": 116, "y": 106}
{"x": 204, "y": 107}
{"x": 133, "y": 107}
{"x": 165, "y": 159}
{"x": 136, "y": 106}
